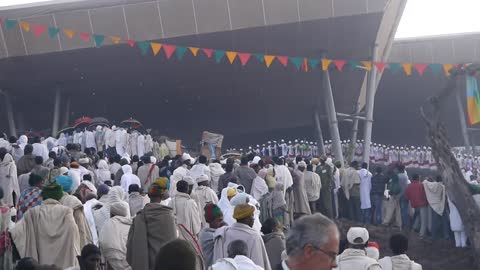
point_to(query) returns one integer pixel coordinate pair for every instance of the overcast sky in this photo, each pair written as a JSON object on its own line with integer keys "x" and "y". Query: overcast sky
{"x": 421, "y": 17}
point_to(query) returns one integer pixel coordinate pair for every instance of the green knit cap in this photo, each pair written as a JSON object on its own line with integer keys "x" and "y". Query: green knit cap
{"x": 52, "y": 191}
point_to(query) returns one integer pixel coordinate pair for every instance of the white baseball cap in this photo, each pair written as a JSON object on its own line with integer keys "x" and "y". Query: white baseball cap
{"x": 357, "y": 235}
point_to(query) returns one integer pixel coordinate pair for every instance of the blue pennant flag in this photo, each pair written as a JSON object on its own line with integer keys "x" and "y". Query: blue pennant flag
{"x": 436, "y": 68}
{"x": 180, "y": 52}
{"x": 144, "y": 46}
{"x": 53, "y": 32}
{"x": 353, "y": 64}
{"x": 394, "y": 67}
{"x": 219, "y": 55}
{"x": 297, "y": 61}
{"x": 10, "y": 24}
{"x": 259, "y": 57}
{"x": 313, "y": 62}
{"x": 98, "y": 40}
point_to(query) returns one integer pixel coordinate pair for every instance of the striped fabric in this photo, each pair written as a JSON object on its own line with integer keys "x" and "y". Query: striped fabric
{"x": 29, "y": 198}
{"x": 473, "y": 100}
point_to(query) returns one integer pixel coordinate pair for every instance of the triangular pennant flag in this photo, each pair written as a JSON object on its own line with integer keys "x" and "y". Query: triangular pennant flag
{"x": 353, "y": 64}
{"x": 339, "y": 64}
{"x": 325, "y": 64}
{"x": 407, "y": 67}
{"x": 208, "y": 52}
{"x": 53, "y": 32}
{"x": 143, "y": 45}
{"x": 420, "y": 68}
{"x": 69, "y": 33}
{"x": 181, "y": 52}
{"x": 367, "y": 65}
{"x": 380, "y": 66}
{"x": 84, "y": 36}
{"x": 10, "y": 24}
{"x": 38, "y": 30}
{"x": 268, "y": 59}
{"x": 313, "y": 62}
{"x": 25, "y": 26}
{"x": 283, "y": 60}
{"x": 193, "y": 50}
{"x": 99, "y": 39}
{"x": 305, "y": 65}
{"x": 115, "y": 40}
{"x": 394, "y": 67}
{"x": 1, "y": 20}
{"x": 260, "y": 57}
{"x": 155, "y": 47}
{"x": 130, "y": 42}
{"x": 219, "y": 55}
{"x": 169, "y": 50}
{"x": 231, "y": 56}
{"x": 435, "y": 68}
{"x": 244, "y": 57}
{"x": 446, "y": 68}
{"x": 297, "y": 61}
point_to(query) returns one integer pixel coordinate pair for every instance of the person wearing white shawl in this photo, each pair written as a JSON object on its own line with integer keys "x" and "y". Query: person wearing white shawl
{"x": 88, "y": 208}
{"x": 101, "y": 216}
{"x": 365, "y": 188}
{"x": 103, "y": 172}
{"x": 185, "y": 209}
{"x": 204, "y": 195}
{"x": 259, "y": 186}
{"x": 216, "y": 171}
{"x": 242, "y": 198}
{"x": 456, "y": 224}
{"x": 132, "y": 141}
{"x": 8, "y": 178}
{"x": 110, "y": 138}
{"x": 90, "y": 139}
{"x": 128, "y": 178}
{"x": 148, "y": 144}
{"x": 283, "y": 175}
{"x": 99, "y": 138}
{"x": 141, "y": 145}
{"x": 62, "y": 140}
{"x": 114, "y": 235}
{"x": 200, "y": 168}
{"x": 120, "y": 141}
{"x": 178, "y": 174}
{"x": 17, "y": 153}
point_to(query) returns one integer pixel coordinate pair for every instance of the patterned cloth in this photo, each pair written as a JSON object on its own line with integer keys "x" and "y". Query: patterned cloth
{"x": 29, "y": 198}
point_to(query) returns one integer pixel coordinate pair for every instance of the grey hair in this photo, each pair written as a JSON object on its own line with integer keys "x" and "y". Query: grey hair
{"x": 313, "y": 229}
{"x": 237, "y": 247}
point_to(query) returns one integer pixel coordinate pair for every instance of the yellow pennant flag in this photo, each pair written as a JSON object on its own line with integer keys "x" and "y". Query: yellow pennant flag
{"x": 408, "y": 68}
{"x": 155, "y": 47}
{"x": 446, "y": 68}
{"x": 325, "y": 64}
{"x": 367, "y": 65}
{"x": 25, "y": 26}
{"x": 69, "y": 33}
{"x": 231, "y": 56}
{"x": 268, "y": 59}
{"x": 115, "y": 40}
{"x": 193, "y": 50}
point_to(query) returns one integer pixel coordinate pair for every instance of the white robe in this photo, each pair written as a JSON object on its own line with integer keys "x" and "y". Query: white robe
{"x": 128, "y": 178}
{"x": 186, "y": 212}
{"x": 132, "y": 141}
{"x": 202, "y": 196}
{"x": 40, "y": 150}
{"x": 8, "y": 179}
{"x": 240, "y": 262}
{"x": 365, "y": 187}
{"x": 216, "y": 171}
{"x": 88, "y": 210}
{"x": 109, "y": 137}
{"x": 90, "y": 139}
{"x": 113, "y": 242}
{"x": 178, "y": 174}
{"x": 259, "y": 188}
{"x": 283, "y": 176}
{"x": 103, "y": 172}
{"x": 148, "y": 144}
{"x": 199, "y": 169}
{"x": 120, "y": 141}
{"x": 141, "y": 145}
{"x": 75, "y": 174}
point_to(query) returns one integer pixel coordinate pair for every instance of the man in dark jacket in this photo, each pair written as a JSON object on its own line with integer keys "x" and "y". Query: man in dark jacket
{"x": 377, "y": 193}
{"x": 245, "y": 175}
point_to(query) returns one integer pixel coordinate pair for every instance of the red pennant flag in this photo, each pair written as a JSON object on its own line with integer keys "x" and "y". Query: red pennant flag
{"x": 1, "y": 20}
{"x": 283, "y": 60}
{"x": 305, "y": 65}
{"x": 38, "y": 30}
{"x": 380, "y": 66}
{"x": 420, "y": 68}
{"x": 84, "y": 36}
{"x": 169, "y": 50}
{"x": 339, "y": 64}
{"x": 208, "y": 52}
{"x": 244, "y": 57}
{"x": 130, "y": 42}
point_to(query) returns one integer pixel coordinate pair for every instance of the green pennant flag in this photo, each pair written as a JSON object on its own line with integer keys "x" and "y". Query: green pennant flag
{"x": 394, "y": 67}
{"x": 259, "y": 57}
{"x": 313, "y": 62}
{"x": 98, "y": 40}
{"x": 297, "y": 61}
{"x": 353, "y": 64}
{"x": 144, "y": 46}
{"x": 53, "y": 32}
{"x": 219, "y": 55}
{"x": 181, "y": 52}
{"x": 435, "y": 68}
{"x": 10, "y": 24}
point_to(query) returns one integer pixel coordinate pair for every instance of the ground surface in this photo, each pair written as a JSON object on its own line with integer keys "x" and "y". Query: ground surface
{"x": 432, "y": 255}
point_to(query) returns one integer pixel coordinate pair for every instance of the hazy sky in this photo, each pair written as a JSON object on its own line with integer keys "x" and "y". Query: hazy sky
{"x": 421, "y": 17}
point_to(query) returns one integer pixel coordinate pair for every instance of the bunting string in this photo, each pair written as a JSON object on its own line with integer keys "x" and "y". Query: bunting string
{"x": 304, "y": 64}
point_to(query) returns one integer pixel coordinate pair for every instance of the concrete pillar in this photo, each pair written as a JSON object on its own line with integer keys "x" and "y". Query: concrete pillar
{"x": 369, "y": 106}
{"x": 318, "y": 129}
{"x": 332, "y": 117}
{"x": 353, "y": 139}
{"x": 10, "y": 117}
{"x": 463, "y": 123}
{"x": 56, "y": 113}
{"x": 66, "y": 120}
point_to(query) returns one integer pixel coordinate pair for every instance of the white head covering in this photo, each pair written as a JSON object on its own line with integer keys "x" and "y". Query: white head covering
{"x": 203, "y": 178}
{"x": 256, "y": 159}
{"x": 189, "y": 180}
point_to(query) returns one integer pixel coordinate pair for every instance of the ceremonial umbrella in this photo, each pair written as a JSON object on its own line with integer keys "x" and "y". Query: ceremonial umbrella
{"x": 132, "y": 123}
{"x": 66, "y": 130}
{"x": 82, "y": 122}
{"x": 99, "y": 121}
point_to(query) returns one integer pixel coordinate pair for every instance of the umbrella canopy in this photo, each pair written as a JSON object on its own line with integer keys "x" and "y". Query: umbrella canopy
{"x": 82, "y": 122}
{"x": 66, "y": 130}
{"x": 99, "y": 121}
{"x": 132, "y": 123}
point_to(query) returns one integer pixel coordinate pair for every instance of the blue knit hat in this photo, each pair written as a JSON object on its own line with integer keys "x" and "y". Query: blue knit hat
{"x": 66, "y": 182}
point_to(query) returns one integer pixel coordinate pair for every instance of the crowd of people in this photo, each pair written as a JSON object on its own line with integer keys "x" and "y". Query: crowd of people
{"x": 66, "y": 206}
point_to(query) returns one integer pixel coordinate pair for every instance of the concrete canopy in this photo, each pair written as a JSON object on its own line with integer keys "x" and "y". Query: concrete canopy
{"x": 182, "y": 98}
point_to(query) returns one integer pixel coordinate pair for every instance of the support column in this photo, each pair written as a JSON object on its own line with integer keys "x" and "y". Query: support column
{"x": 351, "y": 147}
{"x": 66, "y": 120}
{"x": 463, "y": 123}
{"x": 10, "y": 119}
{"x": 332, "y": 117}
{"x": 318, "y": 129}
{"x": 56, "y": 113}
{"x": 369, "y": 106}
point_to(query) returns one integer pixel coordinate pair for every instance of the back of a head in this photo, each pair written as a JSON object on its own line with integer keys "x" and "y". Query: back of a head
{"x": 135, "y": 158}
{"x": 269, "y": 226}
{"x": 38, "y": 160}
{"x": 176, "y": 255}
{"x": 312, "y": 229}
{"x": 401, "y": 168}
{"x": 354, "y": 164}
{"x": 364, "y": 165}
{"x": 416, "y": 177}
{"x": 182, "y": 186}
{"x": 398, "y": 244}
{"x": 3, "y": 152}
{"x": 12, "y": 139}
{"x": 133, "y": 188}
{"x": 36, "y": 140}
{"x": 202, "y": 159}
{"x": 34, "y": 180}
{"x": 244, "y": 161}
{"x": 52, "y": 154}
{"x": 27, "y": 263}
{"x": 237, "y": 247}
{"x": 28, "y": 149}
{"x": 310, "y": 167}
{"x": 378, "y": 170}
{"x": 229, "y": 168}
{"x": 123, "y": 161}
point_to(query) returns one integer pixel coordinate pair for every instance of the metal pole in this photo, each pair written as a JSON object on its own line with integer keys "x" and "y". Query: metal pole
{"x": 11, "y": 121}
{"x": 369, "y": 106}
{"x": 320, "y": 145}
{"x": 351, "y": 147}
{"x": 67, "y": 112}
{"x": 332, "y": 117}
{"x": 56, "y": 113}
{"x": 463, "y": 123}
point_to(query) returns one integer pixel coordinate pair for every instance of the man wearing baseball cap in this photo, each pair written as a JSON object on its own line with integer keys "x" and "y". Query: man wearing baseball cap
{"x": 355, "y": 256}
